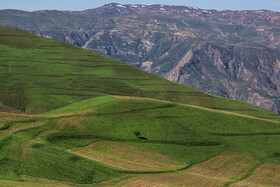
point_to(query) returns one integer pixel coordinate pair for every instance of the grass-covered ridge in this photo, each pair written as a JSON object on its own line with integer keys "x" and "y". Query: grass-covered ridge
{"x": 100, "y": 121}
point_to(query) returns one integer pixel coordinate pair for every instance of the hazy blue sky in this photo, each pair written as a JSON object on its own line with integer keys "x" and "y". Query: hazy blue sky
{"x": 31, "y": 5}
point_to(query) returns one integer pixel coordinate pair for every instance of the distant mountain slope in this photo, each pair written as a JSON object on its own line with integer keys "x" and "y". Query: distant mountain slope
{"x": 39, "y": 75}
{"x": 232, "y": 54}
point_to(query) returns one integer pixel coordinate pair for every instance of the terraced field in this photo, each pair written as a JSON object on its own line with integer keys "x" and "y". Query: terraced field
{"x": 227, "y": 166}
{"x": 266, "y": 174}
{"x": 127, "y": 157}
{"x": 94, "y": 121}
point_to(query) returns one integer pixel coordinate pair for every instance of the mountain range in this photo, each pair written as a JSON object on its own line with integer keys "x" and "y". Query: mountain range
{"x": 233, "y": 54}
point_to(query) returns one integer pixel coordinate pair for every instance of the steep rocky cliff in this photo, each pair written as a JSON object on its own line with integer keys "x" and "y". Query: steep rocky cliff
{"x": 232, "y": 54}
{"x": 245, "y": 73}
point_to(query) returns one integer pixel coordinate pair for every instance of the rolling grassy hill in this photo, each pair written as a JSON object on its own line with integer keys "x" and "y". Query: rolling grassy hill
{"x": 86, "y": 119}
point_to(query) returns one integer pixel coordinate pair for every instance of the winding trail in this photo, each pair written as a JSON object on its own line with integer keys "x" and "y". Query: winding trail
{"x": 39, "y": 116}
{"x": 201, "y": 108}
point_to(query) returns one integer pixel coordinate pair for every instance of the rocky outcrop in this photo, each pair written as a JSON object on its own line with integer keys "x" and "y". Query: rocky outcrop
{"x": 175, "y": 73}
{"x": 237, "y": 73}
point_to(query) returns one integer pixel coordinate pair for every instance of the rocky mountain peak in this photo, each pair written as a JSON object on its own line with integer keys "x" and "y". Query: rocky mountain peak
{"x": 259, "y": 17}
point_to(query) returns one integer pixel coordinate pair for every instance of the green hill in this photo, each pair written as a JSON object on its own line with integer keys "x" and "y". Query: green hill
{"x": 90, "y": 120}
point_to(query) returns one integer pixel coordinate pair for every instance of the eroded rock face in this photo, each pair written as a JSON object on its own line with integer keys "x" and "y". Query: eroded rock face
{"x": 236, "y": 73}
{"x": 232, "y": 54}
{"x": 175, "y": 73}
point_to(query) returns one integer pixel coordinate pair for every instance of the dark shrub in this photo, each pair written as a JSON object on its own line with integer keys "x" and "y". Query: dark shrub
{"x": 136, "y": 133}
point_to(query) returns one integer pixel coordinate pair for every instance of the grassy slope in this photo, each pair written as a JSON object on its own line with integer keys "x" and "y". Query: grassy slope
{"x": 39, "y": 75}
{"x": 4, "y": 108}
{"x": 169, "y": 123}
{"x": 188, "y": 135}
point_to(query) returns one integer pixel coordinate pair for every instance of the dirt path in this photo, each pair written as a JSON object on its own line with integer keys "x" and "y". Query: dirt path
{"x": 199, "y": 107}
{"x": 139, "y": 98}
{"x": 39, "y": 116}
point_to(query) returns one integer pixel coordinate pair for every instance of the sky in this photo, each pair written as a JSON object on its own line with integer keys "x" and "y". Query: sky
{"x": 32, "y": 5}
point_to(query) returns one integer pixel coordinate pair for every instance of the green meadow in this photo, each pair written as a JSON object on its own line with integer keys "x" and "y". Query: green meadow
{"x": 62, "y": 107}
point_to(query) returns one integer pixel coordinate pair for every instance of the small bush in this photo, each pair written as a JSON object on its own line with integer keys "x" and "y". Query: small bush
{"x": 137, "y": 133}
